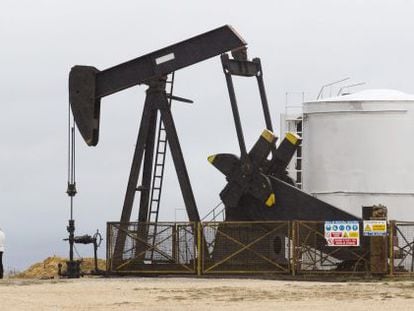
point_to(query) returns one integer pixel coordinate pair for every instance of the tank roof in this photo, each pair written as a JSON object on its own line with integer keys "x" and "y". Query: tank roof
{"x": 370, "y": 95}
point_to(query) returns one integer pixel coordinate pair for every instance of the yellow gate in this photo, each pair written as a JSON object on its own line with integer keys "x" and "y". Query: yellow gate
{"x": 313, "y": 255}
{"x": 401, "y": 247}
{"x": 245, "y": 247}
{"x": 152, "y": 248}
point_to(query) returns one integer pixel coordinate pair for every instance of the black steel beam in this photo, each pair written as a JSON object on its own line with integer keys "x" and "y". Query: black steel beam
{"x": 234, "y": 108}
{"x": 87, "y": 85}
{"x": 262, "y": 91}
{"x": 167, "y": 60}
{"x": 178, "y": 159}
{"x": 133, "y": 179}
{"x": 147, "y": 169}
{"x": 136, "y": 162}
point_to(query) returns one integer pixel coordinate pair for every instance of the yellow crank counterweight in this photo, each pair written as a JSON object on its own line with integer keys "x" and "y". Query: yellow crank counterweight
{"x": 271, "y": 200}
{"x": 293, "y": 138}
{"x": 269, "y": 136}
{"x": 211, "y": 158}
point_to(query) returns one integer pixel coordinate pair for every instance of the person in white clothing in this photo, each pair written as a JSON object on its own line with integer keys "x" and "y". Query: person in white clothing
{"x": 2, "y": 239}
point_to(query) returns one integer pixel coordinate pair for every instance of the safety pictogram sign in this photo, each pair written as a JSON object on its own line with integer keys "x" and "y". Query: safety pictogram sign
{"x": 375, "y": 227}
{"x": 342, "y": 233}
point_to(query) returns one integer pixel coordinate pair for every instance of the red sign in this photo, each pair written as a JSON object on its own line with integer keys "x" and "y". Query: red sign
{"x": 336, "y": 234}
{"x": 345, "y": 242}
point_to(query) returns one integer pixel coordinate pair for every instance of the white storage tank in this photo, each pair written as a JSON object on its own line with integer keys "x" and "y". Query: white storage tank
{"x": 358, "y": 151}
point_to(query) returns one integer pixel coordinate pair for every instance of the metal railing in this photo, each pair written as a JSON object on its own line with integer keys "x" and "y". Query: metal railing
{"x": 152, "y": 248}
{"x": 246, "y": 247}
{"x": 312, "y": 255}
{"x": 276, "y": 247}
{"x": 401, "y": 241}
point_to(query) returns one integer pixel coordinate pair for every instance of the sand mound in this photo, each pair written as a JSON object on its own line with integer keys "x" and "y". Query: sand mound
{"x": 48, "y": 268}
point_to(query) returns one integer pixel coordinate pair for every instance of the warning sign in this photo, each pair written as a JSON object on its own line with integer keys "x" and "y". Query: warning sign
{"x": 342, "y": 233}
{"x": 375, "y": 227}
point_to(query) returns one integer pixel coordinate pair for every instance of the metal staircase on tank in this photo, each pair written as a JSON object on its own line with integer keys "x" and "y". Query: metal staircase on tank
{"x": 298, "y": 156}
{"x": 293, "y": 122}
{"x": 158, "y": 172}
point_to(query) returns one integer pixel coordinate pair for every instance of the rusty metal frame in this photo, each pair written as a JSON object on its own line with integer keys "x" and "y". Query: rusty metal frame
{"x": 244, "y": 247}
{"x": 301, "y": 244}
{"x": 187, "y": 269}
{"x": 296, "y": 245}
{"x": 407, "y": 249}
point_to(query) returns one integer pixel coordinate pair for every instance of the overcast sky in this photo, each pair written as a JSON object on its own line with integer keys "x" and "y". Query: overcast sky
{"x": 302, "y": 44}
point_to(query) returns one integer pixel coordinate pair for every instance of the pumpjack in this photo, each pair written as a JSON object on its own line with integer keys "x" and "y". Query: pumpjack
{"x": 258, "y": 186}
{"x": 87, "y": 85}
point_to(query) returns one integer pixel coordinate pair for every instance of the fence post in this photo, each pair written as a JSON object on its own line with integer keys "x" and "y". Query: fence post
{"x": 293, "y": 248}
{"x": 391, "y": 246}
{"x": 199, "y": 239}
{"x": 108, "y": 246}
{"x": 175, "y": 243}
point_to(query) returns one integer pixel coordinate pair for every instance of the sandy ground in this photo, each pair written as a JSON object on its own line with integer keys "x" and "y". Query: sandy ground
{"x": 203, "y": 294}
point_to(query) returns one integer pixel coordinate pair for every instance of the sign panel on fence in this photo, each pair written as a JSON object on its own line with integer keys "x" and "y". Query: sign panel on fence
{"x": 342, "y": 233}
{"x": 375, "y": 227}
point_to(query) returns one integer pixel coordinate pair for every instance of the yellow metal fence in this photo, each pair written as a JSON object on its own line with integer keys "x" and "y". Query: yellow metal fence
{"x": 245, "y": 247}
{"x": 313, "y": 255}
{"x": 277, "y": 247}
{"x": 401, "y": 241}
{"x": 151, "y": 248}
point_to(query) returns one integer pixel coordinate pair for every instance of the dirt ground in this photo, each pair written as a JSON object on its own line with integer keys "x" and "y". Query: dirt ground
{"x": 203, "y": 294}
